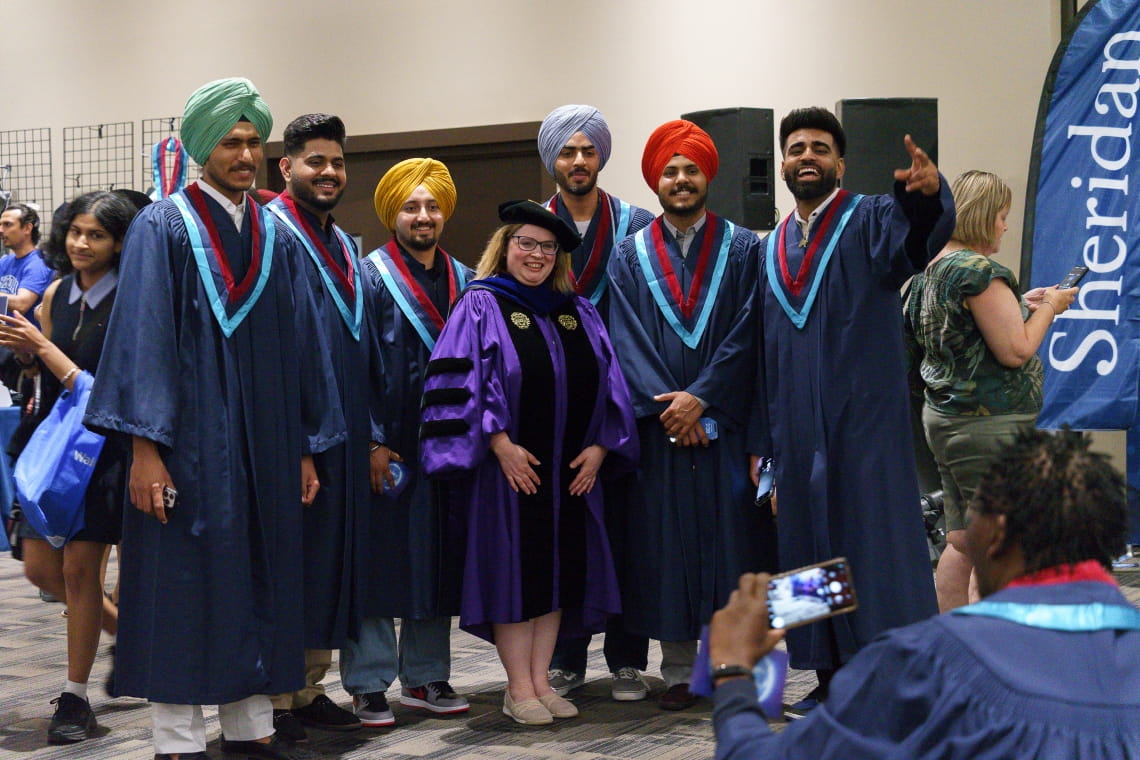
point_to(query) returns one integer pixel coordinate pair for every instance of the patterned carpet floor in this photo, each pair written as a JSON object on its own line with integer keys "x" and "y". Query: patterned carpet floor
{"x": 33, "y": 667}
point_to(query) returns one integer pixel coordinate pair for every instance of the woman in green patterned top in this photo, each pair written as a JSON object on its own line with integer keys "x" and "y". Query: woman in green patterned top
{"x": 975, "y": 340}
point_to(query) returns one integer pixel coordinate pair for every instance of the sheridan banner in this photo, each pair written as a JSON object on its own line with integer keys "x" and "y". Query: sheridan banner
{"x": 1082, "y": 192}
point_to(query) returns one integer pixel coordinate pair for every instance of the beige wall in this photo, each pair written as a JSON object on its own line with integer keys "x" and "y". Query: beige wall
{"x": 389, "y": 66}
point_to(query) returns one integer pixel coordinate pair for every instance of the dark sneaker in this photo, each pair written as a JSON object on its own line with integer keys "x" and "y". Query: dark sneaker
{"x": 437, "y": 696}
{"x": 322, "y": 712}
{"x": 800, "y": 709}
{"x": 286, "y": 725}
{"x": 372, "y": 709}
{"x": 275, "y": 749}
{"x": 677, "y": 697}
{"x": 109, "y": 684}
{"x": 73, "y": 720}
{"x": 564, "y": 681}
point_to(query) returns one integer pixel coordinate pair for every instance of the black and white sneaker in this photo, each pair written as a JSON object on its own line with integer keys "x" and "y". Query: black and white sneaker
{"x": 73, "y": 720}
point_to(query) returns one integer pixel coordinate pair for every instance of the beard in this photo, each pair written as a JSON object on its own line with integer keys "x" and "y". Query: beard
{"x": 304, "y": 193}
{"x": 810, "y": 190}
{"x": 563, "y": 181}
{"x": 681, "y": 206}
{"x": 412, "y": 243}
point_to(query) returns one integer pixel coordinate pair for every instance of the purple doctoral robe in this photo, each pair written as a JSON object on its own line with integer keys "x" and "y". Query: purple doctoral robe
{"x": 474, "y": 389}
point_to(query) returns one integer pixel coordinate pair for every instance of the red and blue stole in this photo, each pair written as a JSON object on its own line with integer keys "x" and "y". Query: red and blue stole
{"x": 1093, "y": 616}
{"x": 687, "y": 313}
{"x": 788, "y": 287}
{"x": 342, "y": 281}
{"x": 609, "y": 225}
{"x": 230, "y": 301}
{"x": 412, "y": 299}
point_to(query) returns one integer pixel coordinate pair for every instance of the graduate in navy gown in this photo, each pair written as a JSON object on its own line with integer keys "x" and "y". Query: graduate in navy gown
{"x": 214, "y": 366}
{"x": 681, "y": 317}
{"x": 1045, "y": 667}
{"x": 524, "y": 403}
{"x": 574, "y": 143}
{"x": 337, "y": 550}
{"x": 831, "y": 390}
{"x": 409, "y": 285}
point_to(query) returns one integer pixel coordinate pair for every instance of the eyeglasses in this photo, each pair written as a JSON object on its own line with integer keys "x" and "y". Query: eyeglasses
{"x": 528, "y": 244}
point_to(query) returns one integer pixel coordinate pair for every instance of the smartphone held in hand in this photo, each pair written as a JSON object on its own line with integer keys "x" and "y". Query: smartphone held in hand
{"x": 1074, "y": 277}
{"x": 810, "y": 593}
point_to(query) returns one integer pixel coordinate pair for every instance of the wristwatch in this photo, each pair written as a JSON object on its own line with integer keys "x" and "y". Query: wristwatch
{"x": 729, "y": 671}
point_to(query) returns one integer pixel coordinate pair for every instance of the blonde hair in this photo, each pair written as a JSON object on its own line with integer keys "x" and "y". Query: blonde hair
{"x": 978, "y": 199}
{"x": 494, "y": 260}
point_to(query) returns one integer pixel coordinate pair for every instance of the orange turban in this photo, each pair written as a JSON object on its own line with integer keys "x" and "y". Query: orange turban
{"x": 673, "y": 138}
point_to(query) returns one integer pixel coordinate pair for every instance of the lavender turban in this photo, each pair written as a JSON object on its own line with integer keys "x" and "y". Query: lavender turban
{"x": 561, "y": 124}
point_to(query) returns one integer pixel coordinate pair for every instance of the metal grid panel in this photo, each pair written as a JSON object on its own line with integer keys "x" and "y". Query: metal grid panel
{"x": 154, "y": 130}
{"x": 98, "y": 157}
{"x": 25, "y": 168}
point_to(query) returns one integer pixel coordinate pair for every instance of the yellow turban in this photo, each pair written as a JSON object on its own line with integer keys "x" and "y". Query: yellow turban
{"x": 213, "y": 110}
{"x": 398, "y": 183}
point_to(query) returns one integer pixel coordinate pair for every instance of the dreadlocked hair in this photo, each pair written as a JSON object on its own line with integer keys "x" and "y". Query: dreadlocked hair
{"x": 1063, "y": 503}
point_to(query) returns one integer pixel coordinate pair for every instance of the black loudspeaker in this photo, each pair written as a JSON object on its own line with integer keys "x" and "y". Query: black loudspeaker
{"x": 875, "y": 128}
{"x": 744, "y": 190}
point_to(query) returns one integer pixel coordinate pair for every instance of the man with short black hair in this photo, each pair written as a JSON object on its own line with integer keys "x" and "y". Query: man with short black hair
{"x": 24, "y": 275}
{"x": 574, "y": 143}
{"x": 830, "y": 401}
{"x": 336, "y": 548}
{"x": 1047, "y": 665}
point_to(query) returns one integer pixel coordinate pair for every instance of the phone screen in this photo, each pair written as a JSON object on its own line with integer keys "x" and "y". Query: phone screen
{"x": 3, "y": 303}
{"x": 1073, "y": 278}
{"x": 810, "y": 593}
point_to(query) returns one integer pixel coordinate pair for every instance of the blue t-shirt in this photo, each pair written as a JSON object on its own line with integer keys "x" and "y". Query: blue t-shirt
{"x": 30, "y": 272}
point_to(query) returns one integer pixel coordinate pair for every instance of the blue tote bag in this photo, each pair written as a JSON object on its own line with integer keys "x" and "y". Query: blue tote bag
{"x": 55, "y": 467}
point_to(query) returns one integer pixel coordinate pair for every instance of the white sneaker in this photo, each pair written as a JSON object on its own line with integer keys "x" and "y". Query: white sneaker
{"x": 628, "y": 685}
{"x": 565, "y": 681}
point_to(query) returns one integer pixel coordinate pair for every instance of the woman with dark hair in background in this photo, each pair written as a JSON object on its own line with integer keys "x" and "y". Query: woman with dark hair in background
{"x": 524, "y": 401}
{"x": 84, "y": 245}
{"x": 975, "y": 339}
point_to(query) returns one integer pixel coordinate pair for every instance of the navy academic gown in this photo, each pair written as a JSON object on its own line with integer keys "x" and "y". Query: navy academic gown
{"x": 337, "y": 549}
{"x": 413, "y": 574}
{"x": 691, "y": 512}
{"x": 210, "y": 609}
{"x": 832, "y": 409}
{"x": 590, "y": 261}
{"x": 964, "y": 686}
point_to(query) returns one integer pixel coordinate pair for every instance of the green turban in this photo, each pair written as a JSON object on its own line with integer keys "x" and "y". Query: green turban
{"x": 214, "y": 109}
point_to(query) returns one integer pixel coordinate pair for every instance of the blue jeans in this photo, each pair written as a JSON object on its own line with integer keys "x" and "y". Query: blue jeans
{"x": 370, "y": 662}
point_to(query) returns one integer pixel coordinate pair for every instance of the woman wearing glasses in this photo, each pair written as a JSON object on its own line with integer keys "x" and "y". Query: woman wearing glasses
{"x": 524, "y": 402}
